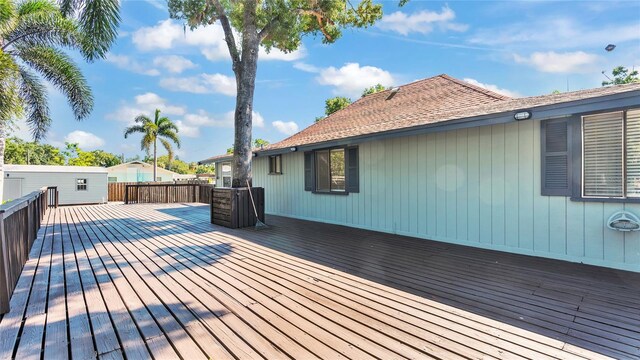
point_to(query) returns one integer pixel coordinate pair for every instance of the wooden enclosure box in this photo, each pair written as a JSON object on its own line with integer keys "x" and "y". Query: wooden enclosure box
{"x": 232, "y": 208}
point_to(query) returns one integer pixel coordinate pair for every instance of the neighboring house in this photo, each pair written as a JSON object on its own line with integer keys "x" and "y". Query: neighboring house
{"x": 445, "y": 160}
{"x": 139, "y": 171}
{"x": 76, "y": 184}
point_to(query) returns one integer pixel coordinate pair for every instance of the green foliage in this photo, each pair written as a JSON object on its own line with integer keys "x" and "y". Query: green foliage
{"x": 280, "y": 24}
{"x": 257, "y": 143}
{"x": 181, "y": 167}
{"x": 34, "y": 34}
{"x": 374, "y": 89}
{"x": 621, "y": 75}
{"x": 18, "y": 151}
{"x": 98, "y": 20}
{"x": 335, "y": 103}
{"x": 554, "y": 92}
{"x": 105, "y": 159}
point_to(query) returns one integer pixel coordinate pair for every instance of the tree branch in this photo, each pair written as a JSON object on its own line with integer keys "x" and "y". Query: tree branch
{"x": 228, "y": 34}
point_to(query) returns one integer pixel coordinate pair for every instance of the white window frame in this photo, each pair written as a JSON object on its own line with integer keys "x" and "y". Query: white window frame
{"x": 86, "y": 184}
{"x": 623, "y": 158}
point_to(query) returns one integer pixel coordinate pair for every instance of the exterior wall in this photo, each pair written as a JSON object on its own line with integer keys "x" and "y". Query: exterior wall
{"x": 66, "y": 182}
{"x": 478, "y": 187}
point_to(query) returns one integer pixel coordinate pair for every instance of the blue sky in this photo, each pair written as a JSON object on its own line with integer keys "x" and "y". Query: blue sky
{"x": 518, "y": 48}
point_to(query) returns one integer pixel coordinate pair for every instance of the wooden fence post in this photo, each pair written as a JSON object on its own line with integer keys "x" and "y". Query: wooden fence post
{"x": 5, "y": 291}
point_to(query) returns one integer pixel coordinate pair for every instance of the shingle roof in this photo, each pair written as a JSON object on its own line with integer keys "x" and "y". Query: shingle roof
{"x": 425, "y": 102}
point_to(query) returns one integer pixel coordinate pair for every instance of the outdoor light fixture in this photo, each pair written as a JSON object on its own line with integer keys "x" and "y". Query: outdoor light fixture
{"x": 610, "y": 47}
{"x": 293, "y": 148}
{"x": 522, "y": 115}
{"x": 255, "y": 154}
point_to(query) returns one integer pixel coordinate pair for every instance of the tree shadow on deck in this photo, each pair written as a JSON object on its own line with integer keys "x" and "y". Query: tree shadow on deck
{"x": 585, "y": 306}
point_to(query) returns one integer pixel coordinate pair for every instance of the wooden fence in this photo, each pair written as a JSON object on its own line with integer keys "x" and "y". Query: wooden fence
{"x": 116, "y": 189}
{"x": 20, "y": 221}
{"x": 167, "y": 193}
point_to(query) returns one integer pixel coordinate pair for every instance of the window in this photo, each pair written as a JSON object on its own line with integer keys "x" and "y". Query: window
{"x": 611, "y": 155}
{"x": 330, "y": 170}
{"x": 226, "y": 174}
{"x": 275, "y": 165}
{"x": 81, "y": 184}
{"x": 112, "y": 179}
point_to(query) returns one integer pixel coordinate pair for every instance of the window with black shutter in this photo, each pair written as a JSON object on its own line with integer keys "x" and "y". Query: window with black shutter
{"x": 332, "y": 171}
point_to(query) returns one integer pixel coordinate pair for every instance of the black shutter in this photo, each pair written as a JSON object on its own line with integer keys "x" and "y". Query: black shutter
{"x": 353, "y": 176}
{"x": 308, "y": 171}
{"x": 556, "y": 157}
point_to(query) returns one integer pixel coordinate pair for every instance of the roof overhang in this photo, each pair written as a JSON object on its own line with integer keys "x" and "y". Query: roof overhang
{"x": 565, "y": 109}
{"x": 609, "y": 102}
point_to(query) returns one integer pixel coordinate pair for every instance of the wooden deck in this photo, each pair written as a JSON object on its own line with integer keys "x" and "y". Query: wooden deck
{"x": 158, "y": 281}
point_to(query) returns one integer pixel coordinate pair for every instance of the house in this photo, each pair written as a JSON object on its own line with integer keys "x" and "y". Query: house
{"x": 139, "y": 171}
{"x": 555, "y": 176}
{"x": 76, "y": 184}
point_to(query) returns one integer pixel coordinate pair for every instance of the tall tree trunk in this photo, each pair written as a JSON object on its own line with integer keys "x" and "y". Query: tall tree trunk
{"x": 245, "y": 84}
{"x": 155, "y": 160}
{"x": 3, "y": 134}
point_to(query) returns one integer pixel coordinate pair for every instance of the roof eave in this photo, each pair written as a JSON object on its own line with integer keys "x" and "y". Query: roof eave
{"x": 543, "y": 112}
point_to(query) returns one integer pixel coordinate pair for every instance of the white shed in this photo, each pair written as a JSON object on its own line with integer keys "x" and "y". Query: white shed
{"x": 76, "y": 184}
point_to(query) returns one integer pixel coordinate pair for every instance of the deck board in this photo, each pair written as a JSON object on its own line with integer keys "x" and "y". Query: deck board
{"x": 158, "y": 281}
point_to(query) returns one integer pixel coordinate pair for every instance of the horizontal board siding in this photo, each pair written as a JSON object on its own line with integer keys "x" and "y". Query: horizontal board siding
{"x": 478, "y": 187}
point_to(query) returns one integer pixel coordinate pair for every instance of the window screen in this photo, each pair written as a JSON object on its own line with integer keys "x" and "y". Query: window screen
{"x": 275, "y": 164}
{"x": 603, "y": 143}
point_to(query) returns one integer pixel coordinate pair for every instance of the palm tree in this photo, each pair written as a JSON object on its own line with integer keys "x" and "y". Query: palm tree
{"x": 33, "y": 37}
{"x": 161, "y": 128}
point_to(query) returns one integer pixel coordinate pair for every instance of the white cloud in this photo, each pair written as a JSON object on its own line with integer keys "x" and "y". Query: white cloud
{"x": 144, "y": 104}
{"x": 306, "y": 67}
{"x": 202, "y": 84}
{"x": 567, "y": 62}
{"x": 423, "y": 22}
{"x": 557, "y": 33}
{"x": 352, "y": 79}
{"x": 174, "y": 63}
{"x": 85, "y": 140}
{"x": 277, "y": 54}
{"x": 203, "y": 118}
{"x": 169, "y": 34}
{"x": 287, "y": 128}
{"x": 187, "y": 130}
{"x": 492, "y": 87}
{"x": 127, "y": 63}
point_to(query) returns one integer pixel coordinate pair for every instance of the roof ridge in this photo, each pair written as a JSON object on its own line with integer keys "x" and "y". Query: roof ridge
{"x": 475, "y": 87}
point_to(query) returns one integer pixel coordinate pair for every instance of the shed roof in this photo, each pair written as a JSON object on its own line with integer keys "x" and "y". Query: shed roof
{"x": 422, "y": 103}
{"x": 55, "y": 168}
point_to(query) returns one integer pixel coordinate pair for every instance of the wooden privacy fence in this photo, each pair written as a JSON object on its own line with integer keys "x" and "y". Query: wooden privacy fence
{"x": 116, "y": 189}
{"x": 167, "y": 193}
{"x": 19, "y": 224}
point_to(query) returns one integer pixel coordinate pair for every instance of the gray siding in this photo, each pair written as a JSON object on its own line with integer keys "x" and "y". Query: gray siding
{"x": 66, "y": 182}
{"x": 478, "y": 186}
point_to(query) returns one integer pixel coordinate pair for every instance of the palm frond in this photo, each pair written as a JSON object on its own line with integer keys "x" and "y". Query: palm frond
{"x": 40, "y": 23}
{"x": 7, "y": 16}
{"x": 99, "y": 20}
{"x": 169, "y": 134}
{"x": 168, "y": 147}
{"x": 146, "y": 142}
{"x": 142, "y": 119}
{"x": 133, "y": 129}
{"x": 34, "y": 96}
{"x": 166, "y": 124}
{"x": 58, "y": 68}
{"x": 10, "y": 102}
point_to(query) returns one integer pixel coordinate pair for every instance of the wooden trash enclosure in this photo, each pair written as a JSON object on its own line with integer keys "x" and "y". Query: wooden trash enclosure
{"x": 19, "y": 224}
{"x": 232, "y": 208}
